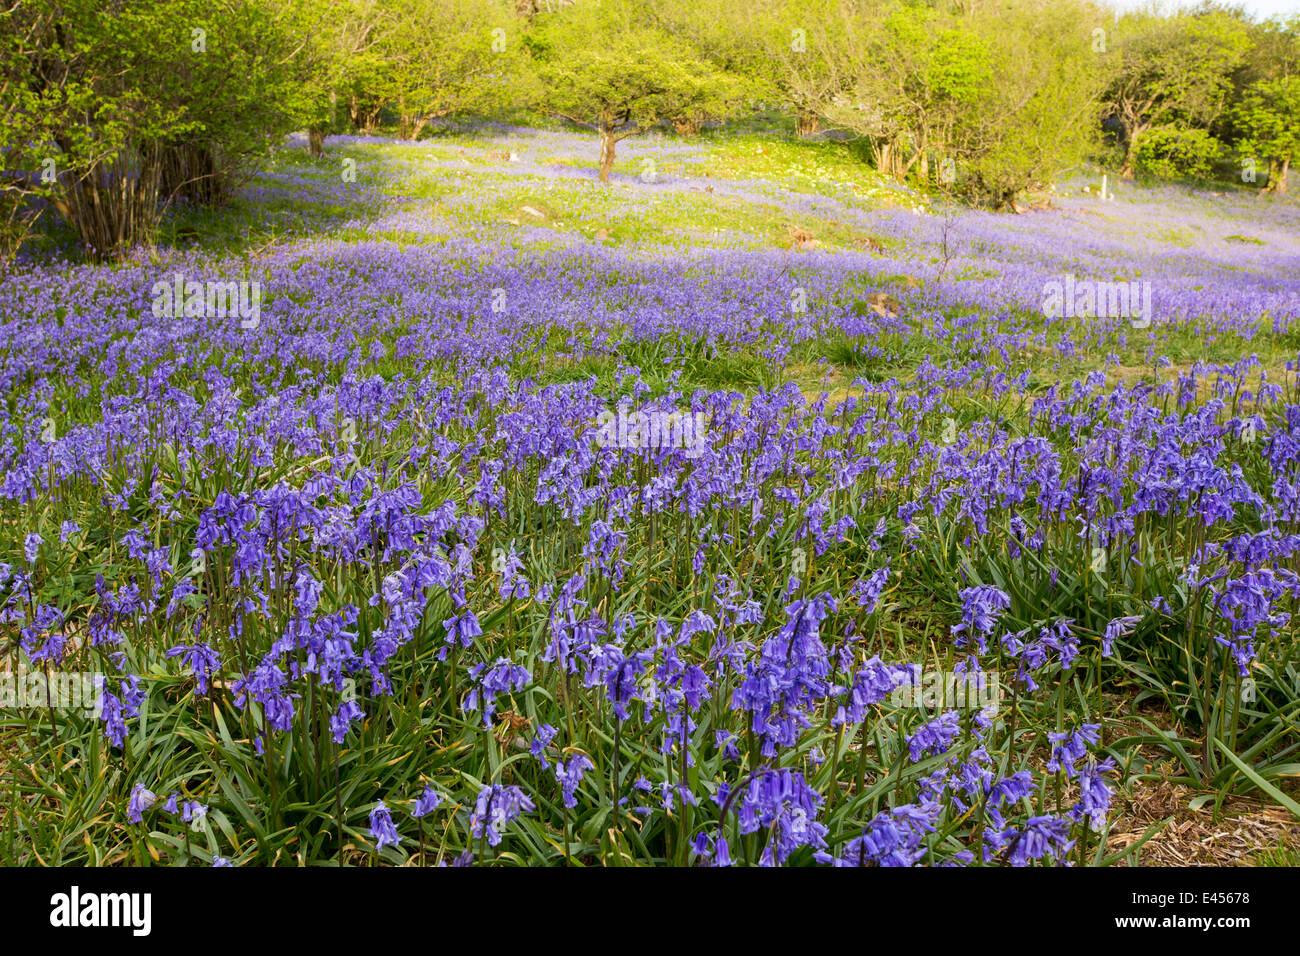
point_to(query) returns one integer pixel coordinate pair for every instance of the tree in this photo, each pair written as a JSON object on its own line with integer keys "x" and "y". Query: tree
{"x": 1269, "y": 118}
{"x": 991, "y": 100}
{"x": 444, "y": 56}
{"x": 906, "y": 76}
{"x": 136, "y": 102}
{"x": 335, "y": 59}
{"x": 1172, "y": 70}
{"x": 1037, "y": 116}
{"x": 605, "y": 67}
{"x": 1265, "y": 119}
{"x": 235, "y": 94}
{"x": 797, "y": 43}
{"x": 30, "y": 115}
{"x": 718, "y": 34}
{"x": 744, "y": 41}
{"x": 107, "y": 75}
{"x": 1174, "y": 152}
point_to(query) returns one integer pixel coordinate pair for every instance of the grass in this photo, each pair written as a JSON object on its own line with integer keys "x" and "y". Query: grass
{"x": 1284, "y": 854}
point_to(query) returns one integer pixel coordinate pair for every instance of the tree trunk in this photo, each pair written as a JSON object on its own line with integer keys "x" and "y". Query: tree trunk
{"x": 889, "y": 160}
{"x": 806, "y": 122}
{"x": 364, "y": 116}
{"x": 1277, "y": 172}
{"x": 907, "y": 166}
{"x": 410, "y": 125}
{"x": 17, "y": 216}
{"x": 316, "y": 141}
{"x": 1129, "y": 169}
{"x": 192, "y": 173}
{"x": 607, "y": 143}
{"x": 114, "y": 204}
{"x": 688, "y": 126}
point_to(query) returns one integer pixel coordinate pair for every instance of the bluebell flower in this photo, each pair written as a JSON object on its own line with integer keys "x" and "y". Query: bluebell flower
{"x": 348, "y": 713}
{"x": 934, "y": 737}
{"x": 783, "y": 801}
{"x": 1118, "y": 627}
{"x": 892, "y": 837}
{"x": 496, "y": 807}
{"x": 462, "y": 628}
{"x": 619, "y": 673}
{"x": 266, "y": 685}
{"x": 545, "y": 734}
{"x": 569, "y": 774}
{"x": 1094, "y": 793}
{"x": 1039, "y": 838}
{"x": 382, "y": 830}
{"x": 721, "y": 852}
{"x": 141, "y": 800}
{"x": 501, "y": 678}
{"x": 982, "y": 606}
{"x": 428, "y": 802}
{"x": 1011, "y": 789}
{"x": 1070, "y": 747}
{"x": 203, "y": 661}
{"x": 867, "y": 590}
{"x": 112, "y": 713}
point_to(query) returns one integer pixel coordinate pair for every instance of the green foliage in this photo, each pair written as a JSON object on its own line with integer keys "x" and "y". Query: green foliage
{"x": 1172, "y": 70}
{"x": 984, "y": 101}
{"x": 444, "y": 56}
{"x": 608, "y": 66}
{"x": 124, "y": 104}
{"x": 1269, "y": 118}
{"x": 723, "y": 36}
{"x": 1176, "y": 152}
{"x": 1037, "y": 115}
{"x": 987, "y": 103}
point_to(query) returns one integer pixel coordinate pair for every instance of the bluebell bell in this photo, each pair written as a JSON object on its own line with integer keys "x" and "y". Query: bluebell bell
{"x": 569, "y": 774}
{"x": 382, "y": 830}
{"x": 496, "y": 807}
{"x": 141, "y": 800}
{"x": 428, "y": 802}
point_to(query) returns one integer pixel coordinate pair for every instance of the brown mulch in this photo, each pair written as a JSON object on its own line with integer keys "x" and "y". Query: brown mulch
{"x": 1243, "y": 829}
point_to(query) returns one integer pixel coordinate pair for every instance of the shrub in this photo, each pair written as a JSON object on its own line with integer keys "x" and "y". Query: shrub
{"x": 1173, "y": 152}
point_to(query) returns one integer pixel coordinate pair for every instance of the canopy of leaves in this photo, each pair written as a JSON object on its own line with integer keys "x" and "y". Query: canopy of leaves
{"x": 607, "y": 65}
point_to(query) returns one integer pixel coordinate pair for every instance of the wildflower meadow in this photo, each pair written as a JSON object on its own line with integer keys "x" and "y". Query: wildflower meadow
{"x": 441, "y": 486}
